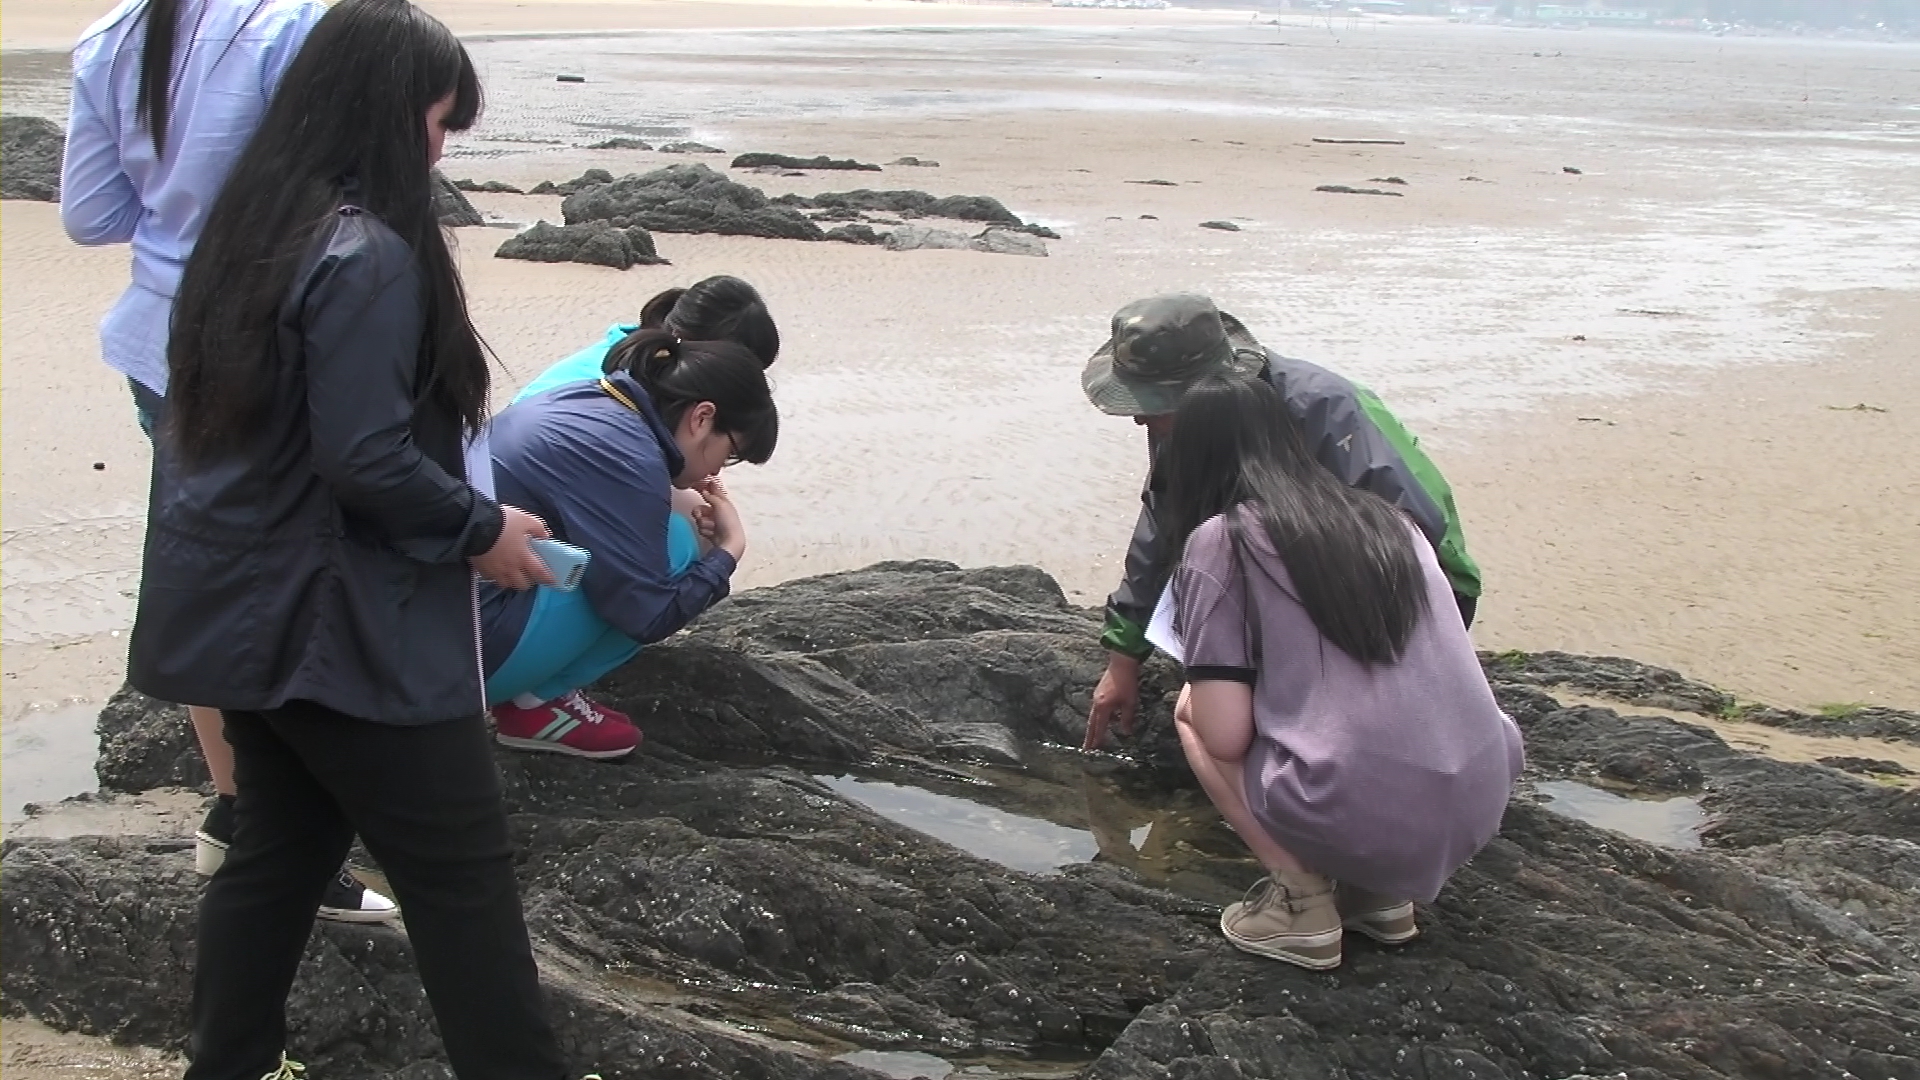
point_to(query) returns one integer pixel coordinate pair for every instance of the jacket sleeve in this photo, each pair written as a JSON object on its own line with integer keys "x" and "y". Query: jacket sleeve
{"x": 1344, "y": 440}
{"x": 613, "y": 500}
{"x": 1131, "y": 606}
{"x": 363, "y": 322}
{"x": 98, "y": 203}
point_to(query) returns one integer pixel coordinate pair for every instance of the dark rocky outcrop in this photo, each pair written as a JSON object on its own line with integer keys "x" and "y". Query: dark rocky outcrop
{"x": 710, "y": 909}
{"x": 621, "y": 143}
{"x": 1222, "y": 226}
{"x": 31, "y": 150}
{"x": 1630, "y": 681}
{"x": 590, "y": 178}
{"x": 856, "y": 234}
{"x": 979, "y": 208}
{"x": 784, "y": 161}
{"x": 1345, "y": 189}
{"x": 914, "y": 162}
{"x": 687, "y": 146}
{"x": 686, "y": 199}
{"x": 600, "y": 243}
{"x": 491, "y": 187}
{"x": 451, "y": 204}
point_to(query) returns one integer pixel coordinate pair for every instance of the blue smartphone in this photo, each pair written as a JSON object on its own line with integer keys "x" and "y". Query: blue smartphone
{"x": 564, "y": 561}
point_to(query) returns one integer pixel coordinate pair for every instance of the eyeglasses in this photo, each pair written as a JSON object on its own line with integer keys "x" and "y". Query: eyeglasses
{"x": 733, "y": 449}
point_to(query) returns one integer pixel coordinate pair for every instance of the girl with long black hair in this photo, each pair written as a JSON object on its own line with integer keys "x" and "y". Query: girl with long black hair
{"x": 311, "y": 548}
{"x": 165, "y": 95}
{"x": 1334, "y": 709}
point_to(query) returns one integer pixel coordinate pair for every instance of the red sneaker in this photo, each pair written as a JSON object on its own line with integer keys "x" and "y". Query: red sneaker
{"x": 567, "y": 725}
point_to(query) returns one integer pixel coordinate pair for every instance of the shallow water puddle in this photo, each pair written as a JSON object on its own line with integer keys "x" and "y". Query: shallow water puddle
{"x": 47, "y": 756}
{"x": 1674, "y": 822}
{"x": 1024, "y": 843}
{"x": 900, "y": 1064}
{"x": 1061, "y": 810}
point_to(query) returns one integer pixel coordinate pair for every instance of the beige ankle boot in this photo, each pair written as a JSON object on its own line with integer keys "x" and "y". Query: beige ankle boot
{"x": 1376, "y": 915}
{"x": 1289, "y": 917}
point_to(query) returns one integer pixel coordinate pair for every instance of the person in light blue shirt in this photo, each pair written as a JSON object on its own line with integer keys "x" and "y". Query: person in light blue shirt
{"x": 166, "y": 94}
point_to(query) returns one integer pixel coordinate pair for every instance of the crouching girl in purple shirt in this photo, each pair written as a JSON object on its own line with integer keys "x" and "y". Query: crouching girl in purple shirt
{"x": 1334, "y": 709}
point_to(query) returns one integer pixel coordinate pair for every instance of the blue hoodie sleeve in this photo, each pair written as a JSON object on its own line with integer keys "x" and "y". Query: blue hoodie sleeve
{"x": 612, "y": 497}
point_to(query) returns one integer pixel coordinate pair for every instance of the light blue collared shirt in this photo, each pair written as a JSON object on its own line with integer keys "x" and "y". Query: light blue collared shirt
{"x": 228, "y": 57}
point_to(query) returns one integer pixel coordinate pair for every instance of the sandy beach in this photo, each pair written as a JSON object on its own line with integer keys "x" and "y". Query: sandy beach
{"x": 1674, "y": 389}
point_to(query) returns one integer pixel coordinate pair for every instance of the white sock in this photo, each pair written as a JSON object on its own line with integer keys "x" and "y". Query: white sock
{"x": 528, "y": 701}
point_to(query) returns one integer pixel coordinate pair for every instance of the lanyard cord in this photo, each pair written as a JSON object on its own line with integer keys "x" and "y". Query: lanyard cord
{"x": 614, "y": 392}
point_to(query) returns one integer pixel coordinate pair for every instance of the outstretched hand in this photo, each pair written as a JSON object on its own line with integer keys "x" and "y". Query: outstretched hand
{"x": 1115, "y": 701}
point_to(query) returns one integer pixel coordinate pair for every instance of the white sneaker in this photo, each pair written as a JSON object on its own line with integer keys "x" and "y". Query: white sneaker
{"x": 347, "y": 900}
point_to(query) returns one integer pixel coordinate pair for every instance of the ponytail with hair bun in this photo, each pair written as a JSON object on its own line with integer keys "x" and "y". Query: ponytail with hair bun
{"x": 720, "y": 308}
{"x": 653, "y": 315}
{"x": 679, "y": 374}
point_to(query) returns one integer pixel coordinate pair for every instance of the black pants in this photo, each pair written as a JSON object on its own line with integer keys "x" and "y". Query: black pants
{"x": 427, "y": 802}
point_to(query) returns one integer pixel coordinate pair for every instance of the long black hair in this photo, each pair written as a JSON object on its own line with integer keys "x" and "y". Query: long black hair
{"x": 1236, "y": 449}
{"x": 156, "y": 71}
{"x": 348, "y": 123}
{"x": 679, "y": 374}
{"x": 721, "y": 308}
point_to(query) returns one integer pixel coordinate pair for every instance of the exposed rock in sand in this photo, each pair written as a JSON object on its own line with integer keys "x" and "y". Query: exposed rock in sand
{"x": 491, "y": 187}
{"x": 914, "y": 162}
{"x": 690, "y": 147}
{"x": 1344, "y": 189}
{"x": 452, "y": 205}
{"x": 980, "y": 208}
{"x": 999, "y": 241}
{"x": 586, "y": 179}
{"x": 923, "y": 238}
{"x": 856, "y": 234}
{"x": 1223, "y": 226}
{"x": 708, "y": 891}
{"x": 687, "y": 199}
{"x": 784, "y": 161}
{"x": 621, "y": 143}
{"x": 600, "y": 243}
{"x": 31, "y": 150}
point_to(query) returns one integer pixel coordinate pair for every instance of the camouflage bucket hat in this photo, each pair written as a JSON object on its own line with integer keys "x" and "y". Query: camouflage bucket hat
{"x": 1162, "y": 345}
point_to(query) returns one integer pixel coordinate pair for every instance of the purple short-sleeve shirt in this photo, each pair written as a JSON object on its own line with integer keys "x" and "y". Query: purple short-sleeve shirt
{"x": 1389, "y": 778}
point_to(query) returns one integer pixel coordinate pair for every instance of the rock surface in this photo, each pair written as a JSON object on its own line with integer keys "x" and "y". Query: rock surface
{"x": 685, "y": 199}
{"x": 914, "y": 162}
{"x": 687, "y": 146}
{"x": 784, "y": 161}
{"x": 979, "y": 208}
{"x": 451, "y": 204}
{"x": 491, "y": 187}
{"x": 1345, "y": 189}
{"x": 599, "y": 243}
{"x": 31, "y": 150}
{"x": 621, "y": 143}
{"x": 710, "y": 908}
{"x": 590, "y": 178}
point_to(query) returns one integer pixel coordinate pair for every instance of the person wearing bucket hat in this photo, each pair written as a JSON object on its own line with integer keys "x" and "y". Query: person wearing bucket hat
{"x": 1158, "y": 348}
